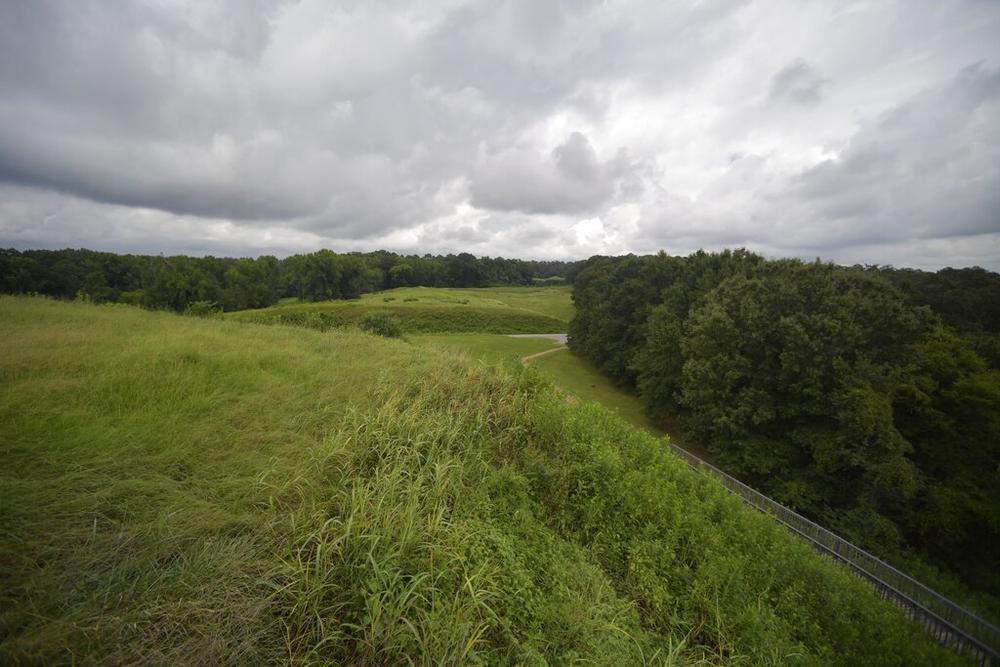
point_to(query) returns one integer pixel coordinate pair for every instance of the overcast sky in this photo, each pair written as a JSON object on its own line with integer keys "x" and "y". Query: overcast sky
{"x": 853, "y": 131}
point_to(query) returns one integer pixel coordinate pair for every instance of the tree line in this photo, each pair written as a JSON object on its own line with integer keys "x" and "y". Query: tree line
{"x": 865, "y": 397}
{"x": 180, "y": 282}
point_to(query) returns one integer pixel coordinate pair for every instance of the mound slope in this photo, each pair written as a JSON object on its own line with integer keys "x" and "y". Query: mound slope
{"x": 206, "y": 491}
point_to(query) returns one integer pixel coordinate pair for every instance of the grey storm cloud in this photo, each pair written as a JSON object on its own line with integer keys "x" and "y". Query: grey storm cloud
{"x": 798, "y": 82}
{"x": 927, "y": 168}
{"x": 571, "y": 179}
{"x": 523, "y": 127}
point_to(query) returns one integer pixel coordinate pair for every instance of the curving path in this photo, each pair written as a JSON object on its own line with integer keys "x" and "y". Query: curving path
{"x": 526, "y": 360}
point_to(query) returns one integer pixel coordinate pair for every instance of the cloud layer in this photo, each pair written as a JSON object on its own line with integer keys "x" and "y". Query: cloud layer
{"x": 531, "y": 128}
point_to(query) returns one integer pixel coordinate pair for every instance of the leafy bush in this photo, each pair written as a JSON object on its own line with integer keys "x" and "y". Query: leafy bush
{"x": 410, "y": 298}
{"x": 387, "y": 299}
{"x": 381, "y": 324}
{"x": 412, "y": 319}
{"x": 202, "y": 309}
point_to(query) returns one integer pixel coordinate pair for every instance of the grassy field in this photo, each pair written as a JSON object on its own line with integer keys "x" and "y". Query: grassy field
{"x": 489, "y": 348}
{"x": 499, "y": 310}
{"x": 580, "y": 379}
{"x": 202, "y": 491}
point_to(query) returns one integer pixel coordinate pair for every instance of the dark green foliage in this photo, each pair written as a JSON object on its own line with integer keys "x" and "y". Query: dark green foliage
{"x": 238, "y": 284}
{"x": 825, "y": 387}
{"x": 967, "y": 300}
{"x": 202, "y": 309}
{"x": 381, "y": 324}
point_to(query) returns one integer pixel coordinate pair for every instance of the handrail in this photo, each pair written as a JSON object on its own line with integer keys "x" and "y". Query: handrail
{"x": 949, "y": 623}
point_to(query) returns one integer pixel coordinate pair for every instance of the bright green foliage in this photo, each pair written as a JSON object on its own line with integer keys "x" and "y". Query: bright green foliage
{"x": 189, "y": 491}
{"x": 381, "y": 324}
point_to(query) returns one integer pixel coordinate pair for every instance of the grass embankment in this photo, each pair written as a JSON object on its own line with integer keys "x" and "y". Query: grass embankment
{"x": 488, "y": 348}
{"x": 199, "y": 491}
{"x": 569, "y": 372}
{"x": 499, "y": 310}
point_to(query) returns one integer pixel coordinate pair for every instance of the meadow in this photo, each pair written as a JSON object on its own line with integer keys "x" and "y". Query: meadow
{"x": 497, "y": 310}
{"x": 202, "y": 491}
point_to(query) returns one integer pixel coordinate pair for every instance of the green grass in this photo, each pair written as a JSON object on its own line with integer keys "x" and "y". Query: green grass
{"x": 565, "y": 369}
{"x": 555, "y": 302}
{"x": 499, "y": 310}
{"x": 489, "y": 348}
{"x": 569, "y": 372}
{"x": 133, "y": 447}
{"x": 580, "y": 379}
{"x": 187, "y": 491}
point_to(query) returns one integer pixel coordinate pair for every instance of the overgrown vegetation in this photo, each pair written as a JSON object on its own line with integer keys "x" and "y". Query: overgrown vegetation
{"x": 381, "y": 324}
{"x": 824, "y": 387}
{"x": 202, "y": 491}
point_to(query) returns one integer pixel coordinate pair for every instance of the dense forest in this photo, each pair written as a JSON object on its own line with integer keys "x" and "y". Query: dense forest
{"x": 176, "y": 283}
{"x": 866, "y": 397}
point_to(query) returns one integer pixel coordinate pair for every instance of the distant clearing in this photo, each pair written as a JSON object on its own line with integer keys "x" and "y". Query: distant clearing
{"x": 499, "y": 310}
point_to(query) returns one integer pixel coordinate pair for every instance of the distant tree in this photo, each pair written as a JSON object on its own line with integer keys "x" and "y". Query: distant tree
{"x": 251, "y": 283}
{"x": 401, "y": 275}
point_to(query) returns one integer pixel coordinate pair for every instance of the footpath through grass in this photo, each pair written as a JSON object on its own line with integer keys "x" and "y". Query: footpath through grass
{"x": 185, "y": 491}
{"x": 488, "y": 348}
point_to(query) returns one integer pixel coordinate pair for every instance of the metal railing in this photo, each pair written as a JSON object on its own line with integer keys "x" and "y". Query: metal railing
{"x": 947, "y": 622}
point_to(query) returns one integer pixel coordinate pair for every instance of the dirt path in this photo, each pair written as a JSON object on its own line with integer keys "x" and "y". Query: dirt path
{"x": 526, "y": 360}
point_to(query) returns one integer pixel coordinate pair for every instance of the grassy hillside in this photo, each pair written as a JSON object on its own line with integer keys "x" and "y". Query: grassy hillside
{"x": 191, "y": 491}
{"x": 489, "y": 348}
{"x": 499, "y": 310}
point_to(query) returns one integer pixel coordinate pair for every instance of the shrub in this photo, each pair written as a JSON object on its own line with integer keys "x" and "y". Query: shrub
{"x": 381, "y": 324}
{"x": 410, "y": 298}
{"x": 387, "y": 299}
{"x": 202, "y": 309}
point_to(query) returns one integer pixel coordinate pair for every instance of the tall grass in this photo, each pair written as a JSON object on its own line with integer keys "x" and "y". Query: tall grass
{"x": 191, "y": 491}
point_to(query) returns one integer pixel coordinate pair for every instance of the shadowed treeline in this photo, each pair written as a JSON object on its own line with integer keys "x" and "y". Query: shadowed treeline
{"x": 855, "y": 395}
{"x": 176, "y": 283}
